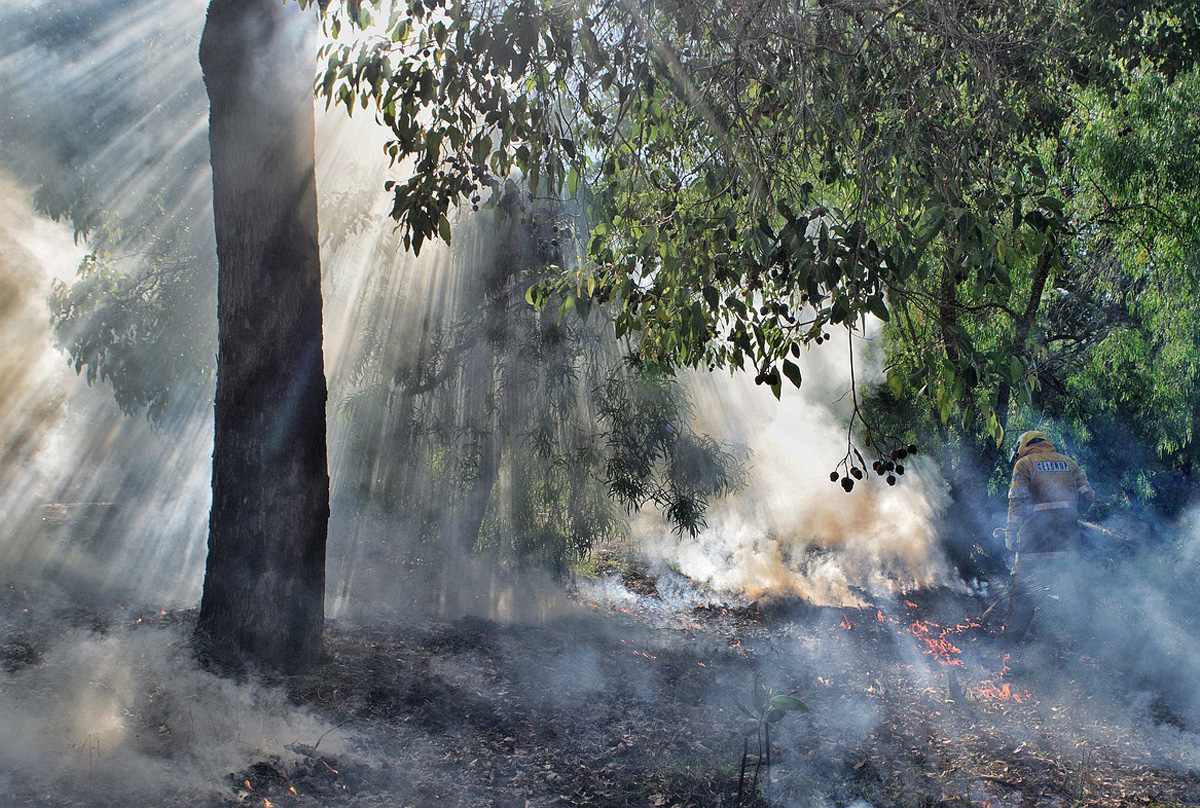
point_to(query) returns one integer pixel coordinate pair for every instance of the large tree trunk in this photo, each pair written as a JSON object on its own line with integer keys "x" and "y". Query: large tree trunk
{"x": 264, "y": 584}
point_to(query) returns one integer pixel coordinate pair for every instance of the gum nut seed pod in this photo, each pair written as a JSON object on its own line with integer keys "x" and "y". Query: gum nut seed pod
{"x": 900, "y": 468}
{"x": 901, "y": 453}
{"x": 833, "y": 476}
{"x": 891, "y": 480}
{"x": 847, "y": 484}
{"x": 912, "y": 448}
{"x": 856, "y": 473}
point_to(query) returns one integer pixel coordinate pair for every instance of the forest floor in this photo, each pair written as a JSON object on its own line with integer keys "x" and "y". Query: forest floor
{"x": 635, "y": 703}
{"x": 634, "y": 700}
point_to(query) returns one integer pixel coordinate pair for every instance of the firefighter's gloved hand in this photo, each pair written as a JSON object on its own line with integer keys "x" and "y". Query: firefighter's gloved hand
{"x": 1012, "y": 540}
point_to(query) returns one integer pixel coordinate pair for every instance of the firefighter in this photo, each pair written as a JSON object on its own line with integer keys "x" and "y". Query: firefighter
{"x": 1048, "y": 495}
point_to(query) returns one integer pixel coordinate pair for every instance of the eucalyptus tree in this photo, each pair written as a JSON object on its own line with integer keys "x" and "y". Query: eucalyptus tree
{"x": 757, "y": 172}
{"x": 264, "y": 581}
{"x": 1118, "y": 354}
{"x": 472, "y": 420}
{"x": 754, "y": 173}
{"x": 1094, "y": 335}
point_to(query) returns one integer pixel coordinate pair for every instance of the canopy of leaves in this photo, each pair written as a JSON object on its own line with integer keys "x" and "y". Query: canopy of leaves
{"x": 1106, "y": 346}
{"x": 753, "y": 173}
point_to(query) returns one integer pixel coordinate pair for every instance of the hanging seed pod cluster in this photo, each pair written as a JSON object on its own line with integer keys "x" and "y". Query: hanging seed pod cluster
{"x": 889, "y": 466}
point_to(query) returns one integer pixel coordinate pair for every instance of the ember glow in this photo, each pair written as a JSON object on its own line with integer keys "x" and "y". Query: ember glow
{"x": 936, "y": 644}
{"x": 943, "y": 644}
{"x": 1001, "y": 692}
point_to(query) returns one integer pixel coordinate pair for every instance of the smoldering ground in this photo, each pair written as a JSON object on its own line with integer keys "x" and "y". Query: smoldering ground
{"x": 118, "y": 712}
{"x": 790, "y": 531}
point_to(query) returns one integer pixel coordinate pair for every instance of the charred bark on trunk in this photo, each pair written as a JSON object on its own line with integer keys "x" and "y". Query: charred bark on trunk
{"x": 264, "y": 586}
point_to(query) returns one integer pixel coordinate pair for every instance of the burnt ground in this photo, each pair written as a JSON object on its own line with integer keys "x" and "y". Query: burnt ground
{"x": 634, "y": 702}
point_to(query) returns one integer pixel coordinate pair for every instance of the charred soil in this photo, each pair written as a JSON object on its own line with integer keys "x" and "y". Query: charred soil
{"x": 629, "y": 705}
{"x": 639, "y": 705}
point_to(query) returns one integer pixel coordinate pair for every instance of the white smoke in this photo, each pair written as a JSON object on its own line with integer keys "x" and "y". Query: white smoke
{"x": 69, "y": 450}
{"x": 128, "y": 714}
{"x": 792, "y": 532}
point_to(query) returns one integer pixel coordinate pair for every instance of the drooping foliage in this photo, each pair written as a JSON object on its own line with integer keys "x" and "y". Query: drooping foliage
{"x": 140, "y": 322}
{"x": 996, "y": 181}
{"x": 754, "y": 173}
{"x": 485, "y": 422}
{"x": 117, "y": 160}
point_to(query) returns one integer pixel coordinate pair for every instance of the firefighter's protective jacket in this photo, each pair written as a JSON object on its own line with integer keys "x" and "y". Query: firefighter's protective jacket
{"x": 1048, "y": 494}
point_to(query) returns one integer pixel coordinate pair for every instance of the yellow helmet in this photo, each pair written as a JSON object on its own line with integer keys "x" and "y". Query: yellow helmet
{"x": 1030, "y": 438}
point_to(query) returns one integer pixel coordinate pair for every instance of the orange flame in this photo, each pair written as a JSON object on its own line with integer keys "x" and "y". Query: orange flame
{"x": 1002, "y": 692}
{"x": 937, "y": 646}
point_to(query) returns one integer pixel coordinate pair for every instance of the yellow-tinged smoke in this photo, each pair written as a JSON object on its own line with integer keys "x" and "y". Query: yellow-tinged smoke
{"x": 791, "y": 532}
{"x": 33, "y": 376}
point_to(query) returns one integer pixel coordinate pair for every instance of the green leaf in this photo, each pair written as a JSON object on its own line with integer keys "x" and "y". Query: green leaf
{"x": 788, "y": 703}
{"x": 1051, "y": 203}
{"x": 566, "y": 307}
{"x": 792, "y": 371}
{"x": 760, "y": 697}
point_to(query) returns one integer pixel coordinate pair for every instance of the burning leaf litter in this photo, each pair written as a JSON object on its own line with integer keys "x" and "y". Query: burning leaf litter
{"x": 622, "y": 709}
